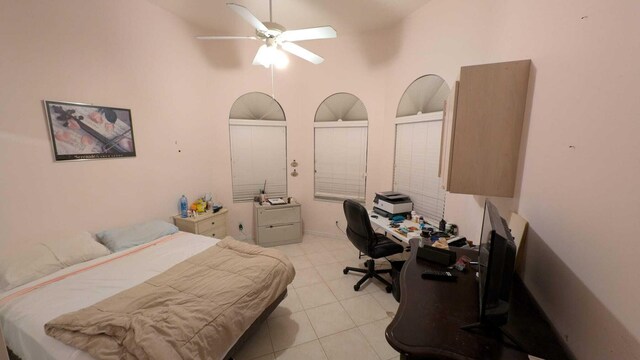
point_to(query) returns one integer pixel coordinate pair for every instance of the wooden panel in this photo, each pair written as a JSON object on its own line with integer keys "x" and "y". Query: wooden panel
{"x": 488, "y": 126}
{"x": 449, "y": 117}
{"x": 185, "y": 224}
{"x": 518, "y": 226}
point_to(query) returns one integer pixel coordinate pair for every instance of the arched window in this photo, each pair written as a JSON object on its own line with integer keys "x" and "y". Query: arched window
{"x": 340, "y": 148}
{"x": 258, "y": 137}
{"x": 418, "y": 138}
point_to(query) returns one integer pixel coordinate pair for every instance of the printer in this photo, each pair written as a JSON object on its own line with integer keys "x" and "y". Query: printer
{"x": 390, "y": 203}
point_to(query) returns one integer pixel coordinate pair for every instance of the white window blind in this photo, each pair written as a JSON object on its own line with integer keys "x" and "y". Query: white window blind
{"x": 340, "y": 162}
{"x": 258, "y": 153}
{"x": 417, "y": 160}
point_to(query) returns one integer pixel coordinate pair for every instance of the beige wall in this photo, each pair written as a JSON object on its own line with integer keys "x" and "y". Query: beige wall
{"x": 134, "y": 55}
{"x": 580, "y": 202}
{"x": 124, "y": 54}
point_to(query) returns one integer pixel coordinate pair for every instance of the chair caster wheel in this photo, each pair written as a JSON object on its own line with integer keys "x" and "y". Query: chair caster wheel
{"x": 345, "y": 271}
{"x": 366, "y": 264}
{"x": 356, "y": 287}
{"x": 388, "y": 288}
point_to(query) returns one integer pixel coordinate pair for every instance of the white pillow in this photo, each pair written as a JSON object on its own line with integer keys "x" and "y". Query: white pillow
{"x": 25, "y": 265}
{"x": 31, "y": 262}
{"x": 76, "y": 248}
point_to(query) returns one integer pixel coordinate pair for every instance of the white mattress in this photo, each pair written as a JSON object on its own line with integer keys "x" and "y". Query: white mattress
{"x": 23, "y": 318}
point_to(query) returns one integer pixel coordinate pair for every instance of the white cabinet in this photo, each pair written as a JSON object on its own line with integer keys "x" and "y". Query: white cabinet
{"x": 277, "y": 224}
{"x": 207, "y": 224}
{"x": 482, "y": 129}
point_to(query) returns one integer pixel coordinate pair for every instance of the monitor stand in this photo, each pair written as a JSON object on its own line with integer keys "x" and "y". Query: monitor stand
{"x": 496, "y": 332}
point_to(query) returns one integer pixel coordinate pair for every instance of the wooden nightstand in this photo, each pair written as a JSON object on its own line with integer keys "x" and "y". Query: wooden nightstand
{"x": 207, "y": 224}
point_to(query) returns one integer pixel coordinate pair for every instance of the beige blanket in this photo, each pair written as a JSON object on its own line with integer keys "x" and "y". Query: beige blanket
{"x": 195, "y": 310}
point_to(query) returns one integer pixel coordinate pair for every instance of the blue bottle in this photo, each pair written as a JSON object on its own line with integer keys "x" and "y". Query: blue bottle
{"x": 183, "y": 206}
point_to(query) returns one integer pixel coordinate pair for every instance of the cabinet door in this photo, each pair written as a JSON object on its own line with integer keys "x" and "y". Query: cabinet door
{"x": 447, "y": 134}
{"x": 487, "y": 127}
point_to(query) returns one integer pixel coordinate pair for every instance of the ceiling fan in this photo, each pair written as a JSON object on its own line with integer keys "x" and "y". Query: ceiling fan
{"x": 276, "y": 37}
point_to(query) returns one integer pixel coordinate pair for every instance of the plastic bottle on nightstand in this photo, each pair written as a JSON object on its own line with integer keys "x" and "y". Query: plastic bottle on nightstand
{"x": 183, "y": 206}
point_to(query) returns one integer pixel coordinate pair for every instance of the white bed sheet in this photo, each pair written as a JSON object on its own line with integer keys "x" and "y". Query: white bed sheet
{"x": 22, "y": 319}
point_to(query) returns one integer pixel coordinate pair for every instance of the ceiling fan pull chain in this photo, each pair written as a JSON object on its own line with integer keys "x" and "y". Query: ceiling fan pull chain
{"x": 273, "y": 91}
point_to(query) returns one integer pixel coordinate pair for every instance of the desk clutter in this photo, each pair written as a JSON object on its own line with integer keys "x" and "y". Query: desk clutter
{"x": 200, "y": 206}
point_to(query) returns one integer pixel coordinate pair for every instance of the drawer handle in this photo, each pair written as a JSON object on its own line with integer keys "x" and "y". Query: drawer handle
{"x": 277, "y": 226}
{"x": 213, "y": 222}
{"x": 213, "y": 235}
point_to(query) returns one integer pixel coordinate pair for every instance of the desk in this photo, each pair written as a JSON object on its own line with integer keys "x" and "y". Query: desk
{"x": 384, "y": 223}
{"x": 428, "y": 321}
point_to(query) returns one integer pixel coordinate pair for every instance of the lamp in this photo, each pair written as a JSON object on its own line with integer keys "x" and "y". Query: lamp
{"x": 269, "y": 54}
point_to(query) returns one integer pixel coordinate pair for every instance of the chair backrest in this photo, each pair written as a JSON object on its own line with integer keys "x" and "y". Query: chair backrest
{"x": 359, "y": 230}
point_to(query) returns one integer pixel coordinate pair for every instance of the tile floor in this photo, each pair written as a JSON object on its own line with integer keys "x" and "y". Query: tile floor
{"x": 322, "y": 317}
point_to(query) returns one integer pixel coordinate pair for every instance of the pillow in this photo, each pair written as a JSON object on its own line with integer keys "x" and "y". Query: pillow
{"x": 76, "y": 248}
{"x": 124, "y": 238}
{"x": 26, "y": 264}
{"x": 30, "y": 262}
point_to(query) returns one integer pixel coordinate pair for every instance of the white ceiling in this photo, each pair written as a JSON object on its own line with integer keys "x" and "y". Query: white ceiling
{"x": 346, "y": 16}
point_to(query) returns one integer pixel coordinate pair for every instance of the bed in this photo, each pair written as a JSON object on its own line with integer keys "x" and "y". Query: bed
{"x": 24, "y": 311}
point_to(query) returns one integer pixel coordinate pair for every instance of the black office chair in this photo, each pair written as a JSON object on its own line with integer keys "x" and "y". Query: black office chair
{"x": 372, "y": 244}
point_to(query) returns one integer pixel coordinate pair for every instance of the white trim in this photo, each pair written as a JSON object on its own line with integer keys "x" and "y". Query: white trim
{"x": 432, "y": 116}
{"x": 245, "y": 122}
{"x": 336, "y": 124}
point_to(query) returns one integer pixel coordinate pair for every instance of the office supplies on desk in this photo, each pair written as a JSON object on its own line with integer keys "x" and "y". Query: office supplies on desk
{"x": 439, "y": 275}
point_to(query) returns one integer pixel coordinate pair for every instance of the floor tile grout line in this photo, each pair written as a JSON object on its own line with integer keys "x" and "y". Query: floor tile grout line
{"x": 325, "y": 282}
{"x": 368, "y": 342}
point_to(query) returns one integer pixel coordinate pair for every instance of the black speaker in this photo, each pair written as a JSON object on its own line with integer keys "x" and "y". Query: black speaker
{"x": 436, "y": 255}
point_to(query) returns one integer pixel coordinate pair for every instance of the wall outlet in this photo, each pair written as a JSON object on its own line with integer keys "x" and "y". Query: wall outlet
{"x": 240, "y": 226}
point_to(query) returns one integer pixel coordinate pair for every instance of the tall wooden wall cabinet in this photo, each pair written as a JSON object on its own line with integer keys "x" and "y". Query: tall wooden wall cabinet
{"x": 482, "y": 129}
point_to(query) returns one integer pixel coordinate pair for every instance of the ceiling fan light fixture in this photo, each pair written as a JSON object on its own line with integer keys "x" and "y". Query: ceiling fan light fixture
{"x": 277, "y": 39}
{"x": 268, "y": 55}
{"x": 280, "y": 59}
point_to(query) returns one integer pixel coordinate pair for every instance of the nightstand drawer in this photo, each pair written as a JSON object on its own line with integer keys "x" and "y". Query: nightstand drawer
{"x": 276, "y": 215}
{"x": 218, "y": 231}
{"x": 208, "y": 224}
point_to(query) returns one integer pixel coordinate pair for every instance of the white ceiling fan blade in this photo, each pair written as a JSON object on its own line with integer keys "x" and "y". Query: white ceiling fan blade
{"x": 248, "y": 16}
{"x": 261, "y": 56}
{"x": 299, "y": 51}
{"x": 214, "y": 37}
{"x": 323, "y": 32}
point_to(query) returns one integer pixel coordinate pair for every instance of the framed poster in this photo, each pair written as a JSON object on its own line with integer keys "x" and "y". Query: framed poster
{"x": 83, "y": 131}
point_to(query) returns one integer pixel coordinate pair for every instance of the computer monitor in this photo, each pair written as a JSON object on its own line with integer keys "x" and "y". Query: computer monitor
{"x": 496, "y": 261}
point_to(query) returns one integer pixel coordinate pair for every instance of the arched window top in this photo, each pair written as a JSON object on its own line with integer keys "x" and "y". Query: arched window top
{"x": 256, "y": 106}
{"x": 426, "y": 94}
{"x": 341, "y": 106}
